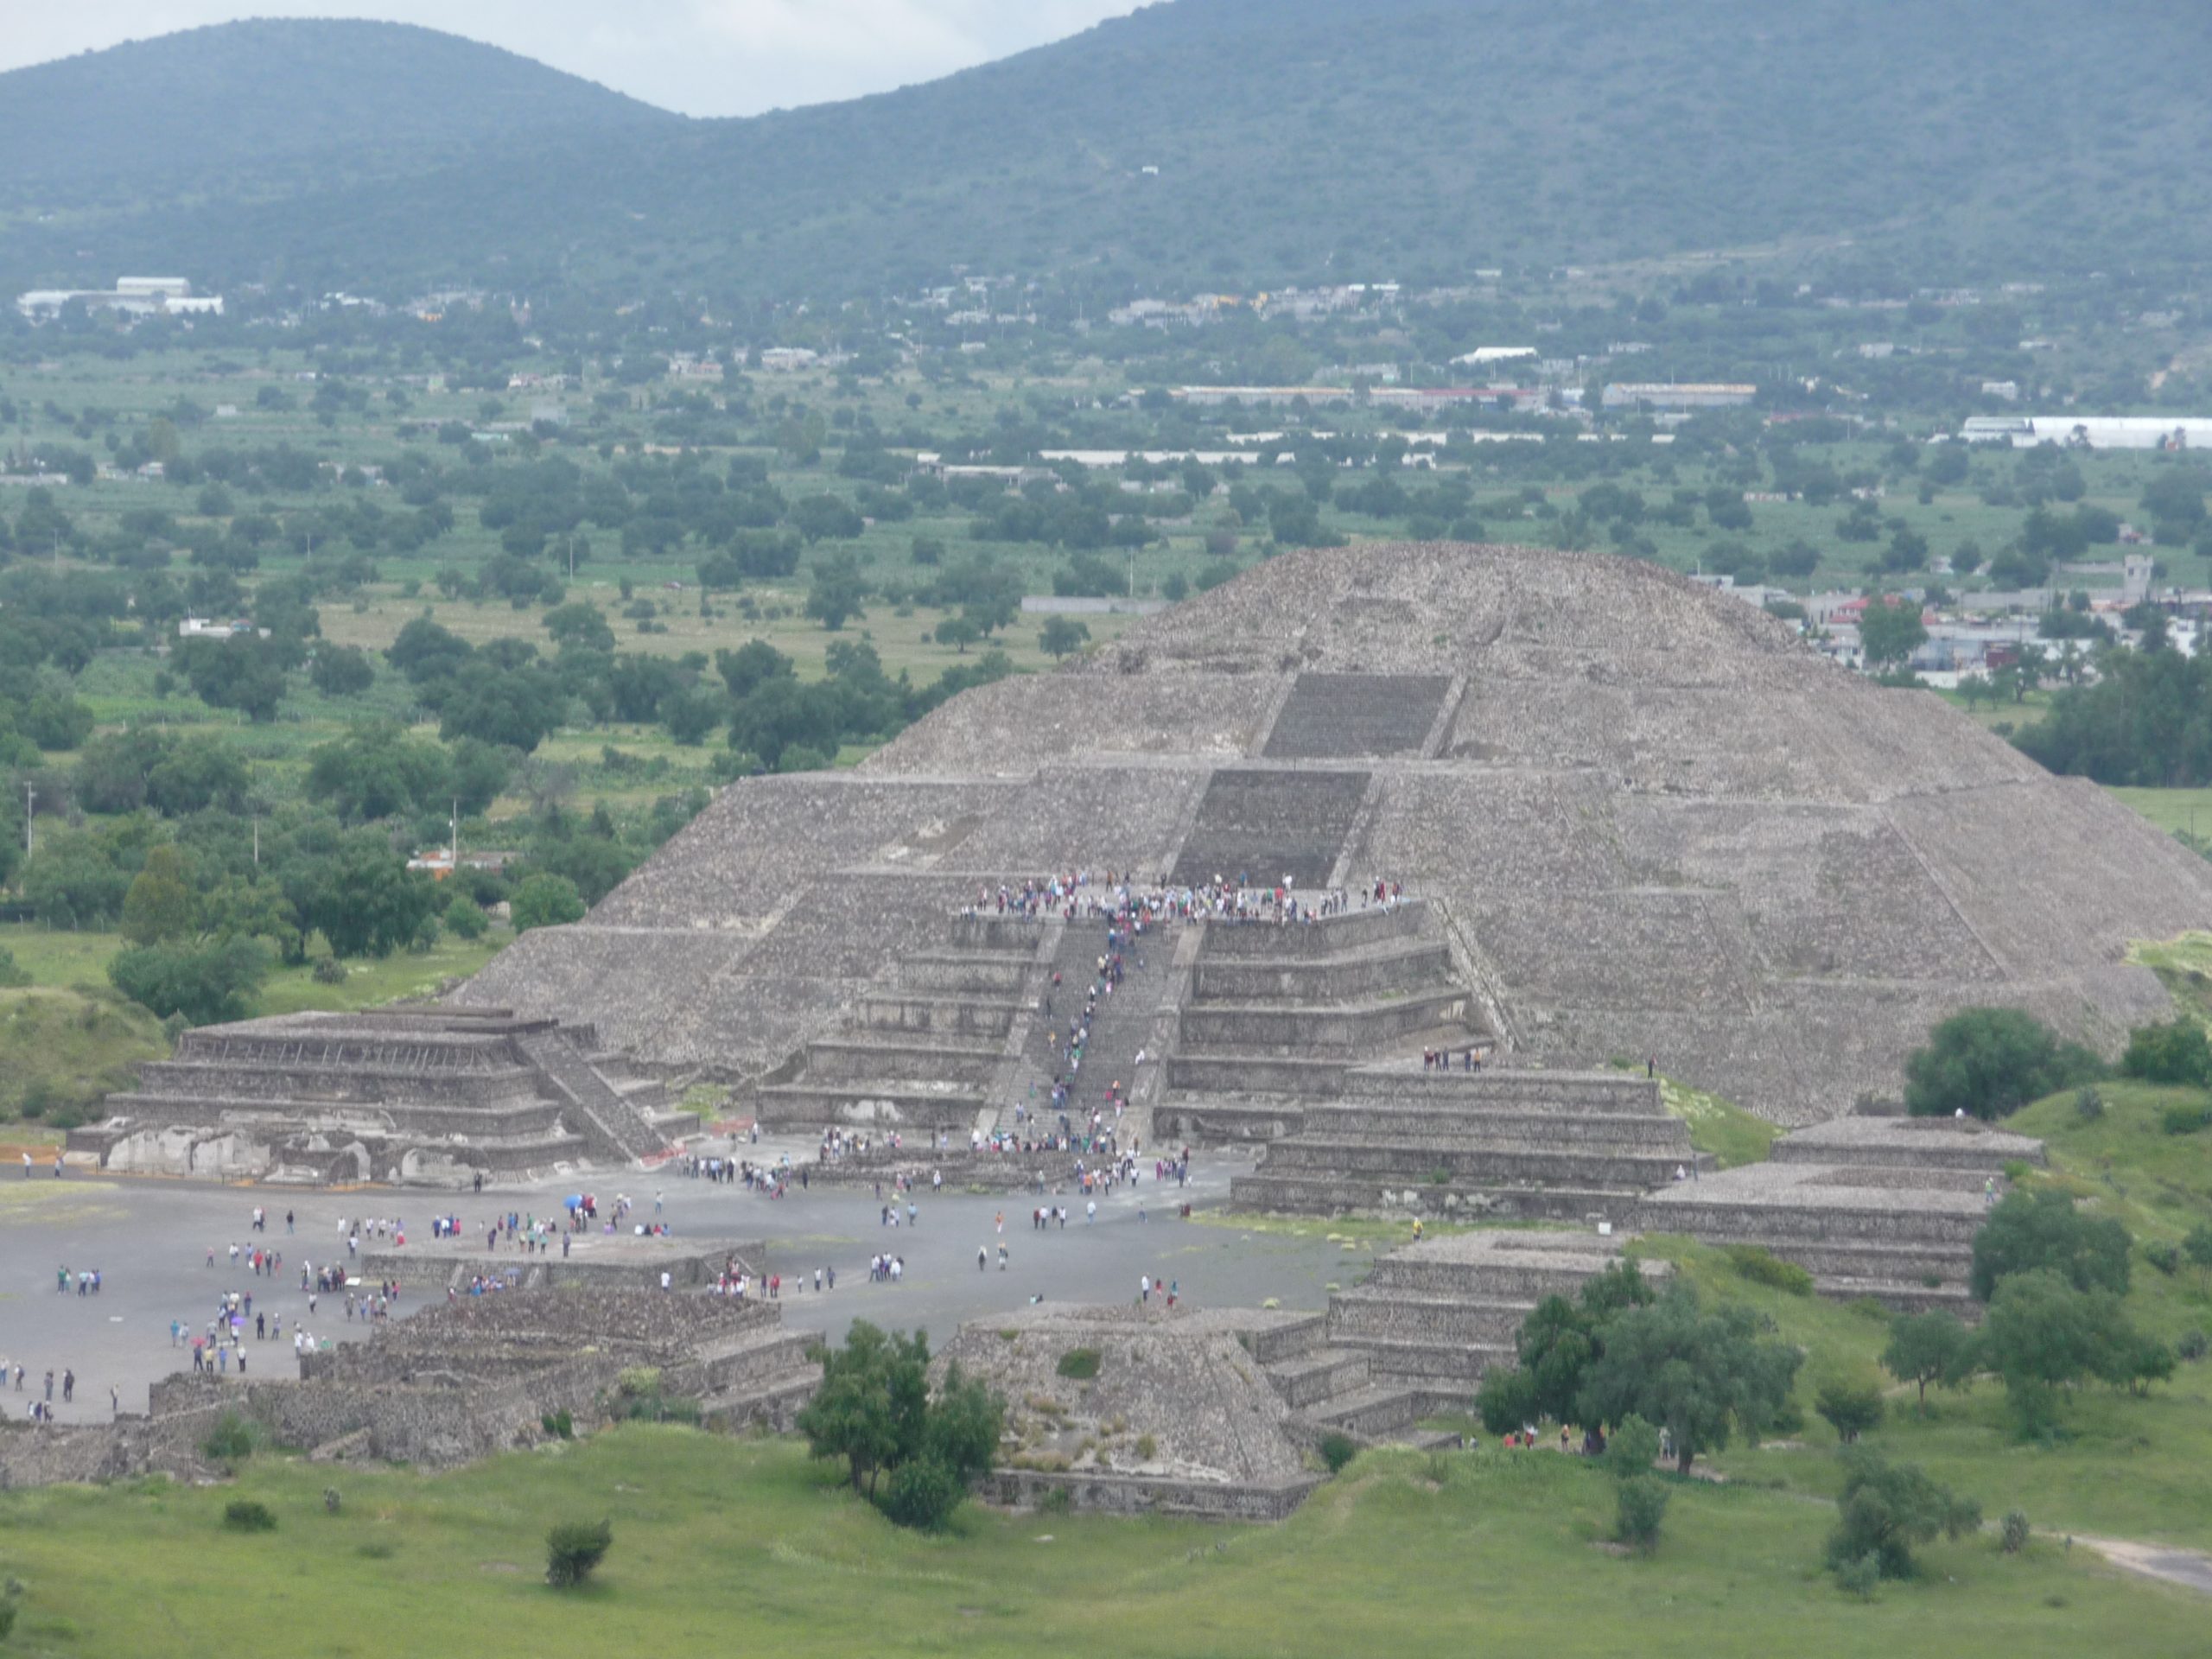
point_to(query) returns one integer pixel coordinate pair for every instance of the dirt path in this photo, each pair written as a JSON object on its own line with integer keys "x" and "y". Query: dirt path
{"x": 2192, "y": 1569}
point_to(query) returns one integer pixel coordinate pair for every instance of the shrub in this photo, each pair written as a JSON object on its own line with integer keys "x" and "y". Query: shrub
{"x": 574, "y": 1548}
{"x": 328, "y": 970}
{"x": 1886, "y": 1508}
{"x": 1338, "y": 1449}
{"x": 230, "y": 1441}
{"x": 1148, "y": 1448}
{"x": 2185, "y": 1120}
{"x": 2088, "y": 1104}
{"x": 1643, "y": 1505}
{"x": 1851, "y": 1408}
{"x": 332, "y": 1501}
{"x": 2164, "y": 1257}
{"x": 2198, "y": 1246}
{"x": 1763, "y": 1267}
{"x": 1058, "y": 1501}
{"x": 249, "y": 1514}
{"x": 2194, "y": 1345}
{"x": 1990, "y": 1062}
{"x": 2173, "y": 1050}
{"x": 465, "y": 918}
{"x": 559, "y": 1425}
{"x": 2028, "y": 1230}
{"x": 2016, "y": 1531}
{"x": 1079, "y": 1364}
{"x": 1858, "y": 1576}
{"x": 923, "y": 1493}
{"x": 1633, "y": 1448}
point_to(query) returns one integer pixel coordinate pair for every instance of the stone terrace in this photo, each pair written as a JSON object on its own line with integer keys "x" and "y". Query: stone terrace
{"x": 1880, "y": 1207}
{"x": 1498, "y": 1142}
{"x": 396, "y": 1094}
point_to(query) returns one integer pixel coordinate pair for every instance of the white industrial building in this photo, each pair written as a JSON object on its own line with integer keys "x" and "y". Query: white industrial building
{"x": 2091, "y": 431}
{"x": 137, "y": 296}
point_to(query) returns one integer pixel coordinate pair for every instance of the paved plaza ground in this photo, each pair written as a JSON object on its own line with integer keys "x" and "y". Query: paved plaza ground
{"x": 149, "y": 1238}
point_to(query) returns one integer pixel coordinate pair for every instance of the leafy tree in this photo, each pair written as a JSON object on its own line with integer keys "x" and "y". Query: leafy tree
{"x": 159, "y": 908}
{"x": 1697, "y": 1375}
{"x": 1556, "y": 1346}
{"x": 207, "y": 983}
{"x": 511, "y": 707}
{"x": 380, "y": 771}
{"x": 1989, "y": 1063}
{"x": 1062, "y": 636}
{"x": 752, "y": 663}
{"x": 838, "y": 592}
{"x": 1851, "y": 1408}
{"x": 425, "y": 652}
{"x": 197, "y": 774}
{"x": 244, "y": 672}
{"x": 1887, "y": 1508}
{"x": 579, "y": 624}
{"x": 1641, "y": 1506}
{"x": 465, "y": 918}
{"x": 2042, "y": 1334}
{"x": 545, "y": 900}
{"x": 2173, "y": 1050}
{"x": 825, "y": 517}
{"x": 71, "y": 881}
{"x": 365, "y": 900}
{"x": 2031, "y": 1233}
{"x": 960, "y": 631}
{"x": 1890, "y": 630}
{"x": 342, "y": 670}
{"x": 1932, "y": 1347}
{"x": 873, "y": 1412}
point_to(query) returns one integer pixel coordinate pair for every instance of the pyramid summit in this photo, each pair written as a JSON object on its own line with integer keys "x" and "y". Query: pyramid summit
{"x": 1640, "y": 819}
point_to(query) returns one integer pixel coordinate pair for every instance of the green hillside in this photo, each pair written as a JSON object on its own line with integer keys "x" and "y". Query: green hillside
{"x": 1294, "y": 140}
{"x": 277, "y": 108}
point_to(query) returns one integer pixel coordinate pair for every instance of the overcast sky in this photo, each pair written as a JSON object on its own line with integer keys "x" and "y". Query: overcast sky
{"x": 703, "y": 57}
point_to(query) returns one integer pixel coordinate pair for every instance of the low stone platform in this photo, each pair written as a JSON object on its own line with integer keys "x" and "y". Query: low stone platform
{"x": 1885, "y": 1207}
{"x": 429, "y": 1096}
{"x": 1175, "y": 1414}
{"x": 1415, "y": 1338}
{"x": 621, "y": 1261}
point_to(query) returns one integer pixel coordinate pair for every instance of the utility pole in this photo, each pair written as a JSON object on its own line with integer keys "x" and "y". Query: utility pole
{"x": 456, "y": 835}
{"x": 30, "y": 805}
{"x": 256, "y": 841}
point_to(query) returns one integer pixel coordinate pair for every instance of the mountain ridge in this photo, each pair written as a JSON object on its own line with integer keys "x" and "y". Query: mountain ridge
{"x": 1295, "y": 140}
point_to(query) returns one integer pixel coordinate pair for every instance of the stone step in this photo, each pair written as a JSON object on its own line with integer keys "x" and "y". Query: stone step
{"x": 1375, "y": 1119}
{"x": 1332, "y": 936}
{"x": 830, "y": 1060}
{"x": 1397, "y": 1313}
{"x": 1377, "y": 1409}
{"x": 1233, "y": 1072}
{"x": 1395, "y": 1164}
{"x": 1338, "y": 1031}
{"x": 1431, "y": 1363}
{"x": 1289, "y": 1338}
{"x": 1509, "y": 1088}
{"x": 1547, "y": 1273}
{"x": 1319, "y": 1375}
{"x": 991, "y": 973}
{"x": 753, "y": 1356}
{"x": 1322, "y": 1196}
{"x": 941, "y": 1016}
{"x": 887, "y": 1104}
{"x": 1839, "y": 1219}
{"x": 1903, "y": 1296}
{"x": 774, "y": 1400}
{"x": 1393, "y": 966}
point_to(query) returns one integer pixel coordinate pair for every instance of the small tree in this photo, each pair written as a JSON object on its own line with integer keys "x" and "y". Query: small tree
{"x": 1851, "y": 1408}
{"x": 2173, "y": 1050}
{"x": 2042, "y": 1335}
{"x": 2032, "y": 1231}
{"x": 1890, "y": 629}
{"x": 1642, "y": 1505}
{"x": 1698, "y": 1376}
{"x": 873, "y": 1410}
{"x": 1062, "y": 637}
{"x": 545, "y": 900}
{"x": 1886, "y": 1508}
{"x": 574, "y": 1548}
{"x": 1926, "y": 1348}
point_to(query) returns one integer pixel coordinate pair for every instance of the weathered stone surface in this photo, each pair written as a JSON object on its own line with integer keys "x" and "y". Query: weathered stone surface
{"x": 1647, "y": 820}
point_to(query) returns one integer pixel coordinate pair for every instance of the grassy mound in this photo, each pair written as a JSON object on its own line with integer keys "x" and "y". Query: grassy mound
{"x": 61, "y": 1050}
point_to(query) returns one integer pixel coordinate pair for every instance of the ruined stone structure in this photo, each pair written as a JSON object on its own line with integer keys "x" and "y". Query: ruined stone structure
{"x": 1217, "y": 1412}
{"x": 1886, "y": 1207}
{"x": 423, "y": 1096}
{"x": 457, "y": 1381}
{"x": 1641, "y": 818}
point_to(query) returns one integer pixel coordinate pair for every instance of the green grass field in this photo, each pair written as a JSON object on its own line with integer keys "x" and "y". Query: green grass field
{"x": 740, "y": 1547}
